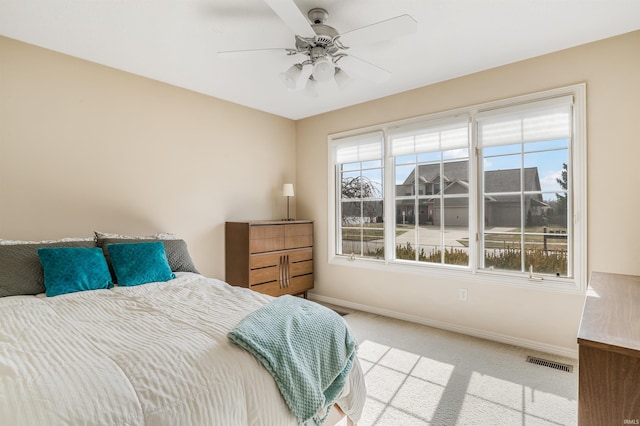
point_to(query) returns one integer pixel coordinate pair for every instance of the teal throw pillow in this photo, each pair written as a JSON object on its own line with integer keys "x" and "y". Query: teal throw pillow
{"x": 72, "y": 269}
{"x": 139, "y": 263}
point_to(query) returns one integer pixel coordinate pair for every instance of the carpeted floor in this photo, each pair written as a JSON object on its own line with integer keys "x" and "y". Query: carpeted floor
{"x": 418, "y": 375}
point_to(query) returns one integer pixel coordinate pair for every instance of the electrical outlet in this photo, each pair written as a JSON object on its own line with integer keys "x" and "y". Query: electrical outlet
{"x": 463, "y": 294}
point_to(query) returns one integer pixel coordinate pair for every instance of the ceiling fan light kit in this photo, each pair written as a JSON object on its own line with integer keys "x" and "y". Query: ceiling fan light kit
{"x": 325, "y": 47}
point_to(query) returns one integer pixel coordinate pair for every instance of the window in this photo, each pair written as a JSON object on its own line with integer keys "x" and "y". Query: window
{"x": 360, "y": 192}
{"x": 431, "y": 169}
{"x": 525, "y": 187}
{"x": 495, "y": 191}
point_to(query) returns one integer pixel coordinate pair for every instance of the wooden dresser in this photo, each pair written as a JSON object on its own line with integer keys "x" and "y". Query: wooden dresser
{"x": 272, "y": 257}
{"x": 609, "y": 352}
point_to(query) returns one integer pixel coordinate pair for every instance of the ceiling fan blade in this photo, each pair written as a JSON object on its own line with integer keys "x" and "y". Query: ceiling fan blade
{"x": 265, "y": 50}
{"x": 292, "y": 17}
{"x": 360, "y": 67}
{"x": 379, "y": 31}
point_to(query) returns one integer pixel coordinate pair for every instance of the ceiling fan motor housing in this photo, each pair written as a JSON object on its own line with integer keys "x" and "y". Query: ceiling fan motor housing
{"x": 324, "y": 38}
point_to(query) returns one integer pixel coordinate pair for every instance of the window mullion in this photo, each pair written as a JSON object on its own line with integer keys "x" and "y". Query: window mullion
{"x": 523, "y": 208}
{"x": 475, "y": 196}
{"x": 442, "y": 207}
{"x": 389, "y": 202}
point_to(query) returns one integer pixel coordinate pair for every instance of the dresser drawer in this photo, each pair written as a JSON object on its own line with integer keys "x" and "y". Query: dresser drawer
{"x": 300, "y": 255}
{"x": 300, "y": 284}
{"x": 300, "y": 268}
{"x": 263, "y": 260}
{"x": 296, "y": 285}
{"x": 264, "y": 238}
{"x": 259, "y": 232}
{"x": 264, "y": 275}
{"x": 298, "y": 235}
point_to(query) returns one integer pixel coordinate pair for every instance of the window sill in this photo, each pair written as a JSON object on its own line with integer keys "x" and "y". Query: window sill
{"x": 545, "y": 283}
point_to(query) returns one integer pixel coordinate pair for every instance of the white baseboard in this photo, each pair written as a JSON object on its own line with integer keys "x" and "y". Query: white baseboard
{"x": 496, "y": 337}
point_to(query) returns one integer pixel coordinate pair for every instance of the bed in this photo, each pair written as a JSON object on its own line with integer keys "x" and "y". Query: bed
{"x": 156, "y": 353}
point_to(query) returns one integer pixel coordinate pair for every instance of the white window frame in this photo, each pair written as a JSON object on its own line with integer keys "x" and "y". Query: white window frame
{"x": 577, "y": 169}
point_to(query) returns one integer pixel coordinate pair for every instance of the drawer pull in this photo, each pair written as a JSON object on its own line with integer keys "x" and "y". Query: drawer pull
{"x": 287, "y": 274}
{"x": 284, "y": 274}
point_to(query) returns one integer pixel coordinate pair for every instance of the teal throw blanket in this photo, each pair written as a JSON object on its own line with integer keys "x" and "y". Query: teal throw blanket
{"x": 307, "y": 348}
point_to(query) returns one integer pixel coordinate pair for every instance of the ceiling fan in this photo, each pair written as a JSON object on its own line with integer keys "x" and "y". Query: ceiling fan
{"x": 325, "y": 48}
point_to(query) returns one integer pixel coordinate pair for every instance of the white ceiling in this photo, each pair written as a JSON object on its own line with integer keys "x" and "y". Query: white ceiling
{"x": 176, "y": 41}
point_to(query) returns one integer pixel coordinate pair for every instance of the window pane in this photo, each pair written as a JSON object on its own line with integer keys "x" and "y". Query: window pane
{"x": 405, "y": 212}
{"x": 351, "y": 241}
{"x": 456, "y": 212}
{"x": 537, "y": 209}
{"x": 430, "y": 253}
{"x": 405, "y": 180}
{"x": 372, "y": 213}
{"x": 373, "y": 240}
{"x": 556, "y": 214}
{"x": 456, "y": 231}
{"x": 366, "y": 241}
{"x": 546, "y": 254}
{"x": 356, "y": 186}
{"x": 502, "y": 252}
{"x": 351, "y": 212}
{"x": 405, "y": 250}
{"x": 502, "y": 174}
{"x": 456, "y": 175}
{"x": 550, "y": 169}
{"x": 405, "y": 242}
{"x": 371, "y": 182}
{"x": 350, "y": 184}
{"x": 430, "y": 230}
{"x": 502, "y": 213}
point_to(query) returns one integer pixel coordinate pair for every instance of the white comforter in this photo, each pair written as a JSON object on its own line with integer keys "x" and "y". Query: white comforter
{"x": 154, "y": 354}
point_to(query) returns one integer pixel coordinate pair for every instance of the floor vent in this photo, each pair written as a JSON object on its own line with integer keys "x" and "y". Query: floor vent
{"x": 551, "y": 364}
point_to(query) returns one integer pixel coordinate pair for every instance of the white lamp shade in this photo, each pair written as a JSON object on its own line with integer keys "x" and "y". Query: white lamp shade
{"x": 291, "y": 77}
{"x": 342, "y": 79}
{"x": 323, "y": 70}
{"x": 287, "y": 190}
{"x": 311, "y": 88}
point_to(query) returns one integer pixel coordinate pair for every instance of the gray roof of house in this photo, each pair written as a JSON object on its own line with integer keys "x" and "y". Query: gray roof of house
{"x": 507, "y": 180}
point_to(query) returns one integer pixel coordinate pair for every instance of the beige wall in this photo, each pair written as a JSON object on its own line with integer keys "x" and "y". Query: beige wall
{"x": 611, "y": 70}
{"x": 86, "y": 147}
